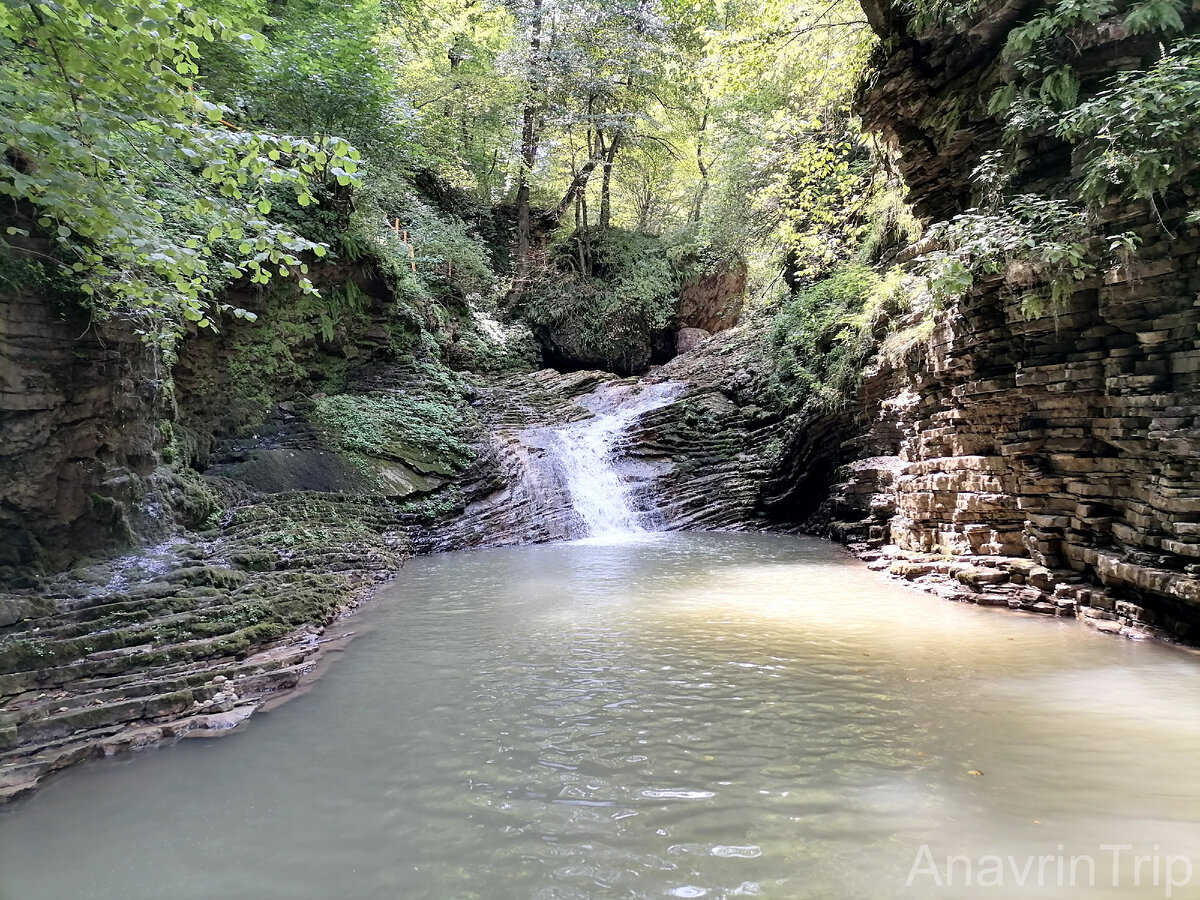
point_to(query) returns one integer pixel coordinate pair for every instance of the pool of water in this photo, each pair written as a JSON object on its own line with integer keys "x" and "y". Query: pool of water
{"x": 696, "y": 715}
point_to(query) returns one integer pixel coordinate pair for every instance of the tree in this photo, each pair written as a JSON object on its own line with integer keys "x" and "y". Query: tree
{"x": 123, "y": 173}
{"x": 531, "y": 112}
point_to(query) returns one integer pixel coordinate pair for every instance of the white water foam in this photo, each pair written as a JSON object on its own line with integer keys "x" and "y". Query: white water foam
{"x": 585, "y": 455}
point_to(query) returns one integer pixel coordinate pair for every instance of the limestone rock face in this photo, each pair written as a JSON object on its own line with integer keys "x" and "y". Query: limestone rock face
{"x": 718, "y": 437}
{"x": 79, "y": 406}
{"x": 510, "y": 497}
{"x": 1073, "y": 438}
{"x": 713, "y": 302}
{"x": 688, "y": 339}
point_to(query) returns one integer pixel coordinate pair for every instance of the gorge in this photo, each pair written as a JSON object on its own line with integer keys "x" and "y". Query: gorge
{"x": 680, "y": 294}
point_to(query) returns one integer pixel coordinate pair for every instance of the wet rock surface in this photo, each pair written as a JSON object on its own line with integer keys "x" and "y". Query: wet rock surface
{"x": 79, "y": 405}
{"x": 511, "y": 497}
{"x": 716, "y": 441}
{"x": 190, "y": 635}
{"x": 195, "y": 634}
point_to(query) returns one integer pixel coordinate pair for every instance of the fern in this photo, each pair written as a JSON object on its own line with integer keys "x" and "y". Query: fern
{"x": 1138, "y": 132}
{"x": 1155, "y": 15}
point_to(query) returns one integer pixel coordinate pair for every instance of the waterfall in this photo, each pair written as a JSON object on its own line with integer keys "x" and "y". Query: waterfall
{"x": 586, "y": 456}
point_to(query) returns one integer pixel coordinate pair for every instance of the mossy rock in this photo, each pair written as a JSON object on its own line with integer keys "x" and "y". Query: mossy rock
{"x": 977, "y": 578}
{"x": 86, "y": 718}
{"x": 170, "y": 704}
{"x": 424, "y": 433}
{"x": 211, "y": 576}
{"x": 255, "y": 560}
{"x": 911, "y": 570}
{"x": 28, "y": 655}
{"x": 16, "y": 609}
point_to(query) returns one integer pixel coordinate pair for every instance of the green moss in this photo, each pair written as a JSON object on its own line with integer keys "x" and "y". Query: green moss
{"x": 255, "y": 560}
{"x": 197, "y": 500}
{"x": 169, "y": 704}
{"x": 211, "y": 629}
{"x": 299, "y": 340}
{"x": 23, "y": 655}
{"x": 264, "y": 365}
{"x": 112, "y": 513}
{"x": 207, "y": 576}
{"x": 421, "y": 432}
{"x": 442, "y": 503}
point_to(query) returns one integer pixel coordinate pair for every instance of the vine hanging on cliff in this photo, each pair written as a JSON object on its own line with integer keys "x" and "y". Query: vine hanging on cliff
{"x": 1141, "y": 131}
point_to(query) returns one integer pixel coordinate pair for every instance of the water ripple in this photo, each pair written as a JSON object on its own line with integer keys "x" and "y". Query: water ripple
{"x": 688, "y": 716}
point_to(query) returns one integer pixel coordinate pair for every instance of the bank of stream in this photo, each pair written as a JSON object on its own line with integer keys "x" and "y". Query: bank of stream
{"x": 633, "y": 713}
{"x": 687, "y": 715}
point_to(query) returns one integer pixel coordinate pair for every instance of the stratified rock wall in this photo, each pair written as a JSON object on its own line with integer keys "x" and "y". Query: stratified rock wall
{"x": 719, "y": 438}
{"x": 79, "y": 410}
{"x": 1071, "y": 438}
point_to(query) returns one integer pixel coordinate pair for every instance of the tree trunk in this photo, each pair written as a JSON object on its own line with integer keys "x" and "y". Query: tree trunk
{"x": 698, "y": 206}
{"x": 577, "y": 187}
{"x": 529, "y": 143}
{"x": 606, "y": 183}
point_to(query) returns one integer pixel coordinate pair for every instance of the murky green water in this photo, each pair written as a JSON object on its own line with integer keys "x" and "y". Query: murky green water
{"x": 681, "y": 716}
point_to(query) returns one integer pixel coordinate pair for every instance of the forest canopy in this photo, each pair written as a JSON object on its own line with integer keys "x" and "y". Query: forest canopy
{"x": 546, "y": 160}
{"x": 157, "y": 151}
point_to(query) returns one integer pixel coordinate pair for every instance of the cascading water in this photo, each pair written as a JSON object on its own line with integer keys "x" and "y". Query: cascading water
{"x": 585, "y": 455}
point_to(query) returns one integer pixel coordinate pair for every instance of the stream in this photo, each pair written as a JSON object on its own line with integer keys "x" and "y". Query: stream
{"x": 659, "y": 715}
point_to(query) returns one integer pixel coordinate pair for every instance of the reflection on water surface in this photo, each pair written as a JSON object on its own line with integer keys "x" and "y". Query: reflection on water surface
{"x": 674, "y": 716}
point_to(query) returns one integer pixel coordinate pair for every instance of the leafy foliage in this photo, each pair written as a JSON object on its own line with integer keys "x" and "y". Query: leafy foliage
{"x": 785, "y": 158}
{"x": 1137, "y": 128}
{"x": 1034, "y": 242}
{"x": 105, "y": 129}
{"x": 629, "y": 293}
{"x": 824, "y": 334}
{"x": 163, "y": 154}
{"x": 1030, "y": 238}
{"x": 823, "y": 192}
{"x": 396, "y": 426}
{"x": 1140, "y": 131}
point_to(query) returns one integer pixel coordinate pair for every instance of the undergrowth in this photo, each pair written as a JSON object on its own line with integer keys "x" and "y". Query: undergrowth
{"x": 824, "y": 335}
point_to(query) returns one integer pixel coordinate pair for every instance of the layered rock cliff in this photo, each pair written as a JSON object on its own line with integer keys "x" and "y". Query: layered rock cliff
{"x": 1057, "y": 453}
{"x": 80, "y": 406}
{"x": 1069, "y": 438}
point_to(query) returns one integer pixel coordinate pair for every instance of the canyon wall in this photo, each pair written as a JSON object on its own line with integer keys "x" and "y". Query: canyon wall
{"x": 1071, "y": 438}
{"x": 80, "y": 406}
